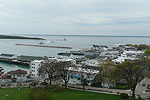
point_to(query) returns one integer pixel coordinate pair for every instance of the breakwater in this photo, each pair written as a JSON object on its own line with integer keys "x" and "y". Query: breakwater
{"x": 47, "y": 46}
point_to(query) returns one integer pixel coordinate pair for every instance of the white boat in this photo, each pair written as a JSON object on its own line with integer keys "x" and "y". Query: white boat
{"x": 41, "y": 42}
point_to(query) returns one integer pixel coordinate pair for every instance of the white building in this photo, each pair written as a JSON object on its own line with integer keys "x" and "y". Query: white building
{"x": 133, "y": 53}
{"x": 76, "y": 74}
{"x": 15, "y": 76}
{"x": 121, "y": 59}
{"x": 36, "y": 64}
{"x": 110, "y": 53}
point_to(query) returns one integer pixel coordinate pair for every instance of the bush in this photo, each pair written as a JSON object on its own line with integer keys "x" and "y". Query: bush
{"x": 124, "y": 96}
{"x": 39, "y": 94}
{"x": 55, "y": 87}
{"x": 147, "y": 90}
{"x": 147, "y": 52}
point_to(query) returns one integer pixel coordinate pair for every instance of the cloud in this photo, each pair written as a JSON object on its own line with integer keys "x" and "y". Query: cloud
{"x": 75, "y": 16}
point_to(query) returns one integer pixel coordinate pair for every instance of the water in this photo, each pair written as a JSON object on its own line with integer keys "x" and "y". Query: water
{"x": 76, "y": 42}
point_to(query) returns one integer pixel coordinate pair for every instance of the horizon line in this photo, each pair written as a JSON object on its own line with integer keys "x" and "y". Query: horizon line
{"x": 80, "y": 35}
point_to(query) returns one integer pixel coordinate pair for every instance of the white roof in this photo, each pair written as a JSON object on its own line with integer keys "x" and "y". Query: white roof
{"x": 122, "y": 59}
{"x": 79, "y": 69}
{"x": 60, "y": 59}
{"x": 135, "y": 52}
{"x": 37, "y": 61}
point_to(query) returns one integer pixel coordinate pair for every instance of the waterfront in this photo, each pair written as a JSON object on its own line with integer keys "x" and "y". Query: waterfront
{"x": 76, "y": 42}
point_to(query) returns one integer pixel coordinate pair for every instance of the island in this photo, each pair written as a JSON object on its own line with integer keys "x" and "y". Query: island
{"x": 19, "y": 37}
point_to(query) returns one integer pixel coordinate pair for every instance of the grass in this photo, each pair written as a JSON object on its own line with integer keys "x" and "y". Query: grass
{"x": 64, "y": 94}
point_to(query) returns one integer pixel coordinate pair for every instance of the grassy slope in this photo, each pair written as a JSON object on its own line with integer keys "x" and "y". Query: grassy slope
{"x": 65, "y": 94}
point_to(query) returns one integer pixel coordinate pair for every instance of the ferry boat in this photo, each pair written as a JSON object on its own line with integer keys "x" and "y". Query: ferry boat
{"x": 77, "y": 52}
{"x": 64, "y": 53}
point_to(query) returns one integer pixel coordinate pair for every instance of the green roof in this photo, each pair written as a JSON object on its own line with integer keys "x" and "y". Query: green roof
{"x": 31, "y": 58}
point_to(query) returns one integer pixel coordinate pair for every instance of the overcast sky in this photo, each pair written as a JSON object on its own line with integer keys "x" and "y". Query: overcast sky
{"x": 70, "y": 17}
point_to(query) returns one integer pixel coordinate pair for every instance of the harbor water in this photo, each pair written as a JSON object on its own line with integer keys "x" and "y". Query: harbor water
{"x": 76, "y": 42}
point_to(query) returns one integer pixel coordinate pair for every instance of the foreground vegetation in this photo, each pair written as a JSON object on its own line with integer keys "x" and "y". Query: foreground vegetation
{"x": 64, "y": 94}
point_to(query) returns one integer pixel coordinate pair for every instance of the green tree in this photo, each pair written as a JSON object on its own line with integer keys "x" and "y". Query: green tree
{"x": 147, "y": 52}
{"x": 131, "y": 71}
{"x": 105, "y": 68}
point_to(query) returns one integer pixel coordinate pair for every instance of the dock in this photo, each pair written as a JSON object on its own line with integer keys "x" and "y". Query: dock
{"x": 47, "y": 46}
{"x": 22, "y": 59}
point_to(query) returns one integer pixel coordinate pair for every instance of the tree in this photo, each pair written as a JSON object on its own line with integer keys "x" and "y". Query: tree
{"x": 1, "y": 73}
{"x": 147, "y": 52}
{"x": 64, "y": 65}
{"x": 131, "y": 71}
{"x": 85, "y": 74}
{"x": 48, "y": 69}
{"x": 105, "y": 68}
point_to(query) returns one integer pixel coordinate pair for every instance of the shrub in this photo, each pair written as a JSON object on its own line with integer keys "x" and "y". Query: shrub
{"x": 147, "y": 90}
{"x": 124, "y": 96}
{"x": 147, "y": 52}
{"x": 39, "y": 94}
{"x": 55, "y": 87}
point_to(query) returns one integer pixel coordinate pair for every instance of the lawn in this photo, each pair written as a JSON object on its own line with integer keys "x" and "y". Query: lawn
{"x": 65, "y": 94}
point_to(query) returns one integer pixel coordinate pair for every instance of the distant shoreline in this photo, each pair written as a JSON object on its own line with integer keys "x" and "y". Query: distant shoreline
{"x": 19, "y": 37}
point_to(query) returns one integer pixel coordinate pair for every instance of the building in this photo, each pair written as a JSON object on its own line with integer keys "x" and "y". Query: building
{"x": 36, "y": 64}
{"x": 15, "y": 76}
{"x": 127, "y": 48}
{"x": 7, "y": 57}
{"x": 77, "y": 74}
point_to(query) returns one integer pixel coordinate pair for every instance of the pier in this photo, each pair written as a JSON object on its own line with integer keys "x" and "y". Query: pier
{"x": 47, "y": 46}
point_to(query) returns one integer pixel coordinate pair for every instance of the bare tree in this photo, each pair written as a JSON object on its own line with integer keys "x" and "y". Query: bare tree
{"x": 1, "y": 73}
{"x": 48, "y": 69}
{"x": 64, "y": 65}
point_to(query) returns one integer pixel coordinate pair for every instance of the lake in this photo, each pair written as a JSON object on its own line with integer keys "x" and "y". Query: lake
{"x": 75, "y": 41}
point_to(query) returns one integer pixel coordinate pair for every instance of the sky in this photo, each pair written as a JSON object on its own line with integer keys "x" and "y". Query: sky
{"x": 75, "y": 17}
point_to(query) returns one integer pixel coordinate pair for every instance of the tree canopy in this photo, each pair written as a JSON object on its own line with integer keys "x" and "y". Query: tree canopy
{"x": 131, "y": 71}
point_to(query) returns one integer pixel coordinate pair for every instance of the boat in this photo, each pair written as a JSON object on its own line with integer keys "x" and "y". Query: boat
{"x": 65, "y": 39}
{"x": 64, "y": 54}
{"x": 1, "y": 71}
{"x": 41, "y": 42}
{"x": 77, "y": 53}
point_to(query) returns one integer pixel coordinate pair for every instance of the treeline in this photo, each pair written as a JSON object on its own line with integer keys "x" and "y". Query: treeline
{"x": 18, "y": 37}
